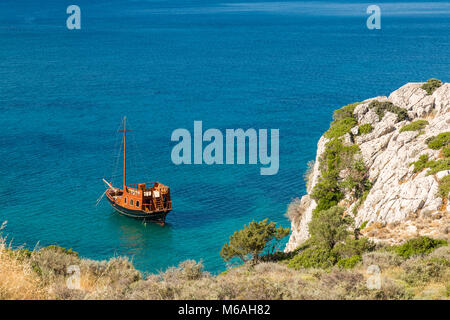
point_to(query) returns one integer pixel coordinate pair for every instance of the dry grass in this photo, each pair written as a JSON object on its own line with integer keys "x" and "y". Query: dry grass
{"x": 17, "y": 279}
{"x": 296, "y": 209}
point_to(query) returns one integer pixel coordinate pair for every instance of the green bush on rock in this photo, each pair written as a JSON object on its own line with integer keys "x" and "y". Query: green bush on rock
{"x": 431, "y": 85}
{"x": 438, "y": 165}
{"x": 420, "y": 164}
{"x": 446, "y": 151}
{"x": 356, "y": 183}
{"x": 434, "y": 165}
{"x": 335, "y": 157}
{"x": 363, "y": 225}
{"x": 386, "y": 106}
{"x": 444, "y": 187}
{"x": 345, "y": 111}
{"x": 414, "y": 126}
{"x": 340, "y": 127}
{"x": 326, "y": 192}
{"x": 441, "y": 140}
{"x": 365, "y": 129}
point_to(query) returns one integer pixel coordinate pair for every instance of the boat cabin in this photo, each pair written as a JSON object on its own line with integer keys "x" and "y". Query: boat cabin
{"x": 148, "y": 197}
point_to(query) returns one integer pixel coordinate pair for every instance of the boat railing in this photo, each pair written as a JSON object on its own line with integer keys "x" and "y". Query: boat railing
{"x": 134, "y": 192}
{"x": 133, "y": 188}
{"x": 148, "y": 185}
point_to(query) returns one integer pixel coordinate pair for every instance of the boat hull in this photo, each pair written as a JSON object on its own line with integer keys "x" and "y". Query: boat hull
{"x": 156, "y": 217}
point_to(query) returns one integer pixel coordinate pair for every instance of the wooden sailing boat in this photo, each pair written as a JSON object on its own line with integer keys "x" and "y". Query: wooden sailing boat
{"x": 147, "y": 201}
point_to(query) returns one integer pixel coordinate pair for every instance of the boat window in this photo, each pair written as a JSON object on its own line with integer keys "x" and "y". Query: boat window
{"x": 125, "y": 200}
{"x": 131, "y": 201}
{"x": 137, "y": 203}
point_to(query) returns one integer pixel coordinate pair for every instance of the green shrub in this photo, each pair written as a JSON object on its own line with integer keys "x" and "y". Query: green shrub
{"x": 446, "y": 151}
{"x": 420, "y": 164}
{"x": 329, "y": 227}
{"x": 415, "y": 126}
{"x": 382, "y": 107}
{"x": 314, "y": 257}
{"x": 444, "y": 187}
{"x": 363, "y": 225}
{"x": 340, "y": 127}
{"x": 345, "y": 111}
{"x": 418, "y": 271}
{"x": 356, "y": 182}
{"x": 365, "y": 129}
{"x": 438, "y": 165}
{"x": 335, "y": 157}
{"x": 349, "y": 263}
{"x": 61, "y": 250}
{"x": 441, "y": 140}
{"x": 434, "y": 165}
{"x": 249, "y": 242}
{"x": 327, "y": 193}
{"x": 431, "y": 85}
{"x": 351, "y": 247}
{"x": 418, "y": 246}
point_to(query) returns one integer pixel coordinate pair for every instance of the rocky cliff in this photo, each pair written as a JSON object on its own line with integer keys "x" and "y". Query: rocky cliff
{"x": 385, "y": 160}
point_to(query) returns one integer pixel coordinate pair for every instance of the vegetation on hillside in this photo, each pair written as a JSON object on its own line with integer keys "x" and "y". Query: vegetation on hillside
{"x": 340, "y": 127}
{"x": 365, "y": 129}
{"x": 343, "y": 121}
{"x": 381, "y": 108}
{"x": 431, "y": 85}
{"x": 419, "y": 269}
{"x": 255, "y": 238}
{"x": 444, "y": 187}
{"x": 345, "y": 111}
{"x": 329, "y": 189}
{"x": 439, "y": 141}
{"x": 442, "y": 142}
{"x": 414, "y": 126}
{"x": 332, "y": 186}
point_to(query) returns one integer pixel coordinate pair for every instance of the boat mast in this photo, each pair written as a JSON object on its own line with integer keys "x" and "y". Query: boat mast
{"x": 124, "y": 151}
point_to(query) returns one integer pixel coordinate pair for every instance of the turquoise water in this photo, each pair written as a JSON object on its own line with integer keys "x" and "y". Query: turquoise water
{"x": 165, "y": 64}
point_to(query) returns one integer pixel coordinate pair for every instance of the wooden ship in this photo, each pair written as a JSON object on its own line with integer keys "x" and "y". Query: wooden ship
{"x": 146, "y": 201}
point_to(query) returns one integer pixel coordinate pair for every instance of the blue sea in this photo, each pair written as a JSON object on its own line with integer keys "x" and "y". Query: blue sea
{"x": 164, "y": 64}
